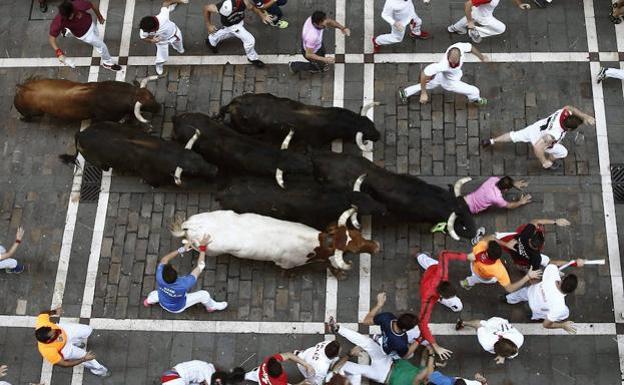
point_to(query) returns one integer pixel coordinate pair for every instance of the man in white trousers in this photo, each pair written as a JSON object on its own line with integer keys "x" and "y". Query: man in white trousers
{"x": 173, "y": 291}
{"x": 496, "y": 336}
{"x": 74, "y": 19}
{"x": 399, "y": 14}
{"x": 447, "y": 74}
{"x": 232, "y": 14}
{"x": 609, "y": 73}
{"x": 479, "y": 21}
{"x": 7, "y": 262}
{"x": 63, "y": 344}
{"x": 163, "y": 32}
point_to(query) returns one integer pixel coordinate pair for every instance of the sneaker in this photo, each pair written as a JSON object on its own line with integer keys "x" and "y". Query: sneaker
{"x": 402, "y": 96}
{"x": 480, "y": 234}
{"x": 556, "y": 165}
{"x": 451, "y": 28}
{"x": 615, "y": 19}
{"x": 113, "y": 67}
{"x": 331, "y": 325}
{"x": 424, "y": 35}
{"x": 281, "y": 24}
{"x": 213, "y": 48}
{"x": 43, "y": 6}
{"x": 474, "y": 35}
{"x": 217, "y": 307}
{"x": 160, "y": 69}
{"x": 459, "y": 325}
{"x": 107, "y": 373}
{"x": 482, "y": 102}
{"x": 257, "y": 63}
{"x": 376, "y": 46}
{"x": 540, "y": 3}
{"x": 146, "y": 304}
{"x": 601, "y": 75}
{"x": 487, "y": 142}
{"x": 291, "y": 69}
{"x": 16, "y": 270}
{"x": 464, "y": 284}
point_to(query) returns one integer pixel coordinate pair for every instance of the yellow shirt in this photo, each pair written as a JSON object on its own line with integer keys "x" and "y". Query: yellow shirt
{"x": 488, "y": 271}
{"x": 51, "y": 351}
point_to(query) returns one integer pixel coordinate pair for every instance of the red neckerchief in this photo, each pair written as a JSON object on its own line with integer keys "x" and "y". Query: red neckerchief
{"x": 484, "y": 258}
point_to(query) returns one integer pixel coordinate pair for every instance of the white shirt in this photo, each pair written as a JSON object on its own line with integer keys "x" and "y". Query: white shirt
{"x": 315, "y": 357}
{"x": 195, "y": 372}
{"x": 398, "y": 10}
{"x": 443, "y": 66}
{"x": 166, "y": 28}
{"x": 496, "y": 328}
{"x": 546, "y": 300}
{"x": 485, "y": 10}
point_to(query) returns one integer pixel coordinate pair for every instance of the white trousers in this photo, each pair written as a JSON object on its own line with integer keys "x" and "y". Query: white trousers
{"x": 614, "y": 73}
{"x": 476, "y": 278}
{"x": 93, "y": 38}
{"x": 8, "y": 263}
{"x": 77, "y": 333}
{"x": 380, "y": 365}
{"x": 451, "y": 85}
{"x": 453, "y": 303}
{"x": 487, "y": 26}
{"x": 396, "y": 36}
{"x": 238, "y": 31}
{"x": 162, "y": 48}
{"x": 192, "y": 299}
{"x": 532, "y": 133}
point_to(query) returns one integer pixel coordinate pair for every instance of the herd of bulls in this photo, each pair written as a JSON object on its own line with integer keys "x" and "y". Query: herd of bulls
{"x": 269, "y": 158}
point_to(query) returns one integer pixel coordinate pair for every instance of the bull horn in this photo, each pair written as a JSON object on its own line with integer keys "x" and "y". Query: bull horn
{"x": 279, "y": 174}
{"x": 137, "y": 113}
{"x": 354, "y": 220}
{"x": 338, "y": 262}
{"x": 177, "y": 176}
{"x": 366, "y": 107}
{"x": 358, "y": 183}
{"x": 279, "y": 177}
{"x": 191, "y": 142}
{"x": 450, "y": 226}
{"x": 459, "y": 184}
{"x": 144, "y": 81}
{"x": 361, "y": 143}
{"x": 287, "y": 139}
{"x": 342, "y": 221}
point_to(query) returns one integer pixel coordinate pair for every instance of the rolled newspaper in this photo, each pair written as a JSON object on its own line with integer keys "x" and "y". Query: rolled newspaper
{"x": 587, "y": 262}
{"x": 67, "y": 61}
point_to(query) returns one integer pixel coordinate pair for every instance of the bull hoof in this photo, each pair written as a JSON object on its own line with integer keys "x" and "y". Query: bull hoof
{"x": 340, "y": 275}
{"x": 26, "y": 118}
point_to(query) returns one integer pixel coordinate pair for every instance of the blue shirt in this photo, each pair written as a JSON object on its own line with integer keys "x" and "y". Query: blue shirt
{"x": 391, "y": 341}
{"x": 437, "y": 378}
{"x": 172, "y": 296}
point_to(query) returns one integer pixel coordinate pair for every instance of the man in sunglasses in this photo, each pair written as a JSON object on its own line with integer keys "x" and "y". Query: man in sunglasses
{"x": 447, "y": 74}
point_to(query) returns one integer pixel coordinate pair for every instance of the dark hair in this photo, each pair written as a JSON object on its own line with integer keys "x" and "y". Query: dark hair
{"x": 505, "y": 348}
{"x": 234, "y": 376}
{"x": 407, "y": 321}
{"x": 332, "y": 349}
{"x": 459, "y": 381}
{"x": 572, "y": 122}
{"x": 569, "y": 283}
{"x": 318, "y": 17}
{"x": 454, "y": 49}
{"x": 274, "y": 368}
{"x": 149, "y": 24}
{"x": 505, "y": 183}
{"x": 66, "y": 8}
{"x": 338, "y": 379}
{"x": 169, "y": 274}
{"x": 537, "y": 239}
{"x": 43, "y": 334}
{"x": 494, "y": 250}
{"x": 446, "y": 290}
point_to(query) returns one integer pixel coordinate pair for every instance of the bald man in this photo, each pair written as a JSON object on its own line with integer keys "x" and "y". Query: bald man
{"x": 447, "y": 74}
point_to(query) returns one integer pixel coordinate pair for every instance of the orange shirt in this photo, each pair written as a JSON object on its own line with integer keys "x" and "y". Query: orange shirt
{"x": 51, "y": 351}
{"x": 489, "y": 270}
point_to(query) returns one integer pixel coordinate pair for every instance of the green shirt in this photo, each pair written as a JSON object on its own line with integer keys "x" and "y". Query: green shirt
{"x": 403, "y": 373}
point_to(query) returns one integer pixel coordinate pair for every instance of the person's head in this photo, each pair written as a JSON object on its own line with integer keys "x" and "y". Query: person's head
{"x": 332, "y": 349}
{"x": 169, "y": 274}
{"x": 536, "y": 240}
{"x": 569, "y": 283}
{"x": 505, "y": 183}
{"x": 149, "y": 24}
{"x": 453, "y": 57}
{"x": 234, "y": 376}
{"x": 407, "y": 321}
{"x": 66, "y": 9}
{"x": 505, "y": 348}
{"x": 459, "y": 381}
{"x": 46, "y": 334}
{"x": 318, "y": 17}
{"x": 572, "y": 122}
{"x": 274, "y": 368}
{"x": 336, "y": 379}
{"x": 494, "y": 251}
{"x": 446, "y": 290}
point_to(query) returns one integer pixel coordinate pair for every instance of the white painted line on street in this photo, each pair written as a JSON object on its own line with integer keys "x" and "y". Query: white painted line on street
{"x": 590, "y": 25}
{"x": 369, "y": 25}
{"x": 341, "y": 17}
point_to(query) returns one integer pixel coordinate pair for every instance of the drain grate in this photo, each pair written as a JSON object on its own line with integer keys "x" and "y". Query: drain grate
{"x": 91, "y": 183}
{"x": 617, "y": 180}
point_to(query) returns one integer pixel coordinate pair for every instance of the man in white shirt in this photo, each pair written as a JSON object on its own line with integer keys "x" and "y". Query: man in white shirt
{"x": 447, "y": 74}
{"x": 162, "y": 32}
{"x": 200, "y": 373}
{"x": 481, "y": 12}
{"x": 321, "y": 357}
{"x": 399, "y": 14}
{"x": 547, "y": 298}
{"x": 496, "y": 336}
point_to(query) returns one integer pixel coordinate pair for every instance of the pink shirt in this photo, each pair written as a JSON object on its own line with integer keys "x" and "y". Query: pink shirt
{"x": 485, "y": 196}
{"x": 311, "y": 36}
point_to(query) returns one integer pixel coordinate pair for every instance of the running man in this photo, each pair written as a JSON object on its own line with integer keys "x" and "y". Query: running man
{"x": 274, "y": 9}
{"x": 74, "y": 19}
{"x": 163, "y": 32}
{"x": 271, "y": 371}
{"x": 496, "y": 336}
{"x": 399, "y": 14}
{"x": 321, "y": 357}
{"x": 546, "y": 135}
{"x": 200, "y": 373}
{"x": 490, "y": 193}
{"x": 7, "y": 262}
{"x": 447, "y": 74}
{"x": 479, "y": 21}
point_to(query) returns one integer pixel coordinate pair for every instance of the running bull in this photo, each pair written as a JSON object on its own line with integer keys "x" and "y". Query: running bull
{"x": 271, "y": 118}
{"x": 68, "y": 100}
{"x": 261, "y": 238}
{"x": 129, "y": 149}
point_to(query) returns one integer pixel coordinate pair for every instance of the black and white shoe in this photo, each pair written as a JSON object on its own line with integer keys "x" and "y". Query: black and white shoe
{"x": 213, "y": 48}
{"x": 257, "y": 63}
{"x": 331, "y": 325}
{"x": 601, "y": 75}
{"x": 113, "y": 67}
{"x": 541, "y": 3}
{"x": 474, "y": 35}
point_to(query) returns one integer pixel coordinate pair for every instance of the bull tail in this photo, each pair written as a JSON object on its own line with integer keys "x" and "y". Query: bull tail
{"x": 176, "y": 228}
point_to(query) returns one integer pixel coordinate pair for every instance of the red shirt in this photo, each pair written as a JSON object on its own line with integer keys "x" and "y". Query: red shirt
{"x": 78, "y": 25}
{"x": 428, "y": 289}
{"x": 264, "y": 378}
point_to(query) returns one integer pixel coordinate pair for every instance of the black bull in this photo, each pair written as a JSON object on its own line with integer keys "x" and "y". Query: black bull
{"x": 129, "y": 149}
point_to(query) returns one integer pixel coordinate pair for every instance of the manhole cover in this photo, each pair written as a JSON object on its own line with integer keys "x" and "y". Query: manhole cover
{"x": 617, "y": 180}
{"x": 91, "y": 183}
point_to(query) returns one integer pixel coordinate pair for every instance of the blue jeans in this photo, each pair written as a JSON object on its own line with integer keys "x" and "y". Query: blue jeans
{"x": 275, "y": 9}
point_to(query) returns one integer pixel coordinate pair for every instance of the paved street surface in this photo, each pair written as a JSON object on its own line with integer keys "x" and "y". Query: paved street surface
{"x": 97, "y": 258}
